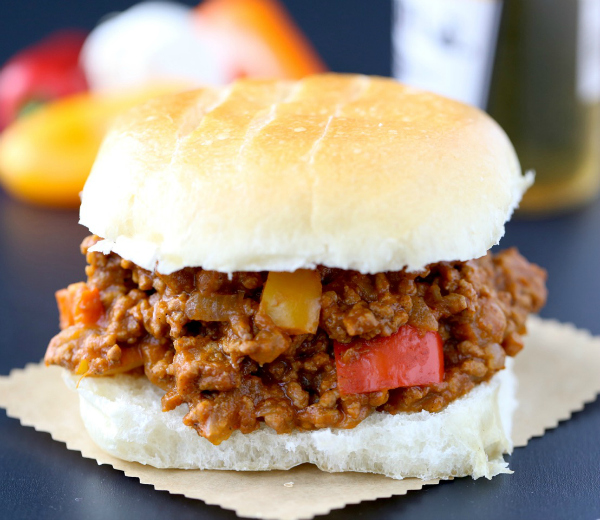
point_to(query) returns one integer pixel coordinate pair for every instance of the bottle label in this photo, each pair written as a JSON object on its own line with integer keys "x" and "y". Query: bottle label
{"x": 588, "y": 51}
{"x": 446, "y": 46}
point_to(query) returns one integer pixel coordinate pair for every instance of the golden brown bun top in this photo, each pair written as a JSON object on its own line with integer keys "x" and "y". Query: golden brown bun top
{"x": 341, "y": 170}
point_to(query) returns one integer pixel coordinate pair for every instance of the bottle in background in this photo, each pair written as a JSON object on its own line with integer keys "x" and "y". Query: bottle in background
{"x": 446, "y": 46}
{"x": 546, "y": 95}
{"x": 538, "y": 75}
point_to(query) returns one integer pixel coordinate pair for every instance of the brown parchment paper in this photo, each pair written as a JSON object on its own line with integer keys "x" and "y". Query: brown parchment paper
{"x": 558, "y": 372}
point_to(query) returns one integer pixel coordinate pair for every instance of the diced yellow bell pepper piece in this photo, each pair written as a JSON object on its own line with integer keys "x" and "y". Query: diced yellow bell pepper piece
{"x": 131, "y": 357}
{"x": 293, "y": 300}
{"x": 82, "y": 368}
{"x": 46, "y": 156}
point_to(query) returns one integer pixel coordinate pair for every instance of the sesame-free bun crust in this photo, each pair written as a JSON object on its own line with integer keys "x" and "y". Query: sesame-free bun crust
{"x": 123, "y": 416}
{"x": 341, "y": 170}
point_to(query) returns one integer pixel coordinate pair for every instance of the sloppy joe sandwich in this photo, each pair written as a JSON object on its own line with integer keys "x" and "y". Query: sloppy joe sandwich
{"x": 287, "y": 272}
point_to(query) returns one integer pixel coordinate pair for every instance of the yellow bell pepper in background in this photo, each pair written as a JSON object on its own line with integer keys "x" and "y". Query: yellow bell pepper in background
{"x": 46, "y": 156}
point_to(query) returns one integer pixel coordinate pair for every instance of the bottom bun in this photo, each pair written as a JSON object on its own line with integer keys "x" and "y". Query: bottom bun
{"x": 123, "y": 416}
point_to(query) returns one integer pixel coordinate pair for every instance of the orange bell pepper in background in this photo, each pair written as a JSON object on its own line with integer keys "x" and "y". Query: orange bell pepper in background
{"x": 46, "y": 156}
{"x": 263, "y": 38}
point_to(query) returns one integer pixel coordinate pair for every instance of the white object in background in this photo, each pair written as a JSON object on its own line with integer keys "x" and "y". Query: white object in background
{"x": 447, "y": 46}
{"x": 148, "y": 43}
{"x": 588, "y": 51}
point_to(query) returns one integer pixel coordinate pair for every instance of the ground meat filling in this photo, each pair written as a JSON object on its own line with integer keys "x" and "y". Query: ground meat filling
{"x": 197, "y": 335}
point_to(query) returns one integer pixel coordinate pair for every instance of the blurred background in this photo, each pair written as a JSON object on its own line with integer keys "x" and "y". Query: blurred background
{"x": 533, "y": 64}
{"x": 362, "y": 26}
{"x": 60, "y": 91}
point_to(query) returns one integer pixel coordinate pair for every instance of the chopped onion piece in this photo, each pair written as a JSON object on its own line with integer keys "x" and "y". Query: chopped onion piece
{"x": 218, "y": 307}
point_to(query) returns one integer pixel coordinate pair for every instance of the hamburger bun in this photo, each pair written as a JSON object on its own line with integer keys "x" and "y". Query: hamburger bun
{"x": 123, "y": 416}
{"x": 345, "y": 171}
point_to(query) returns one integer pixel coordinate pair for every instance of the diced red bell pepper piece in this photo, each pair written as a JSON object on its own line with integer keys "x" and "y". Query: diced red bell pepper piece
{"x": 407, "y": 358}
{"x": 79, "y": 304}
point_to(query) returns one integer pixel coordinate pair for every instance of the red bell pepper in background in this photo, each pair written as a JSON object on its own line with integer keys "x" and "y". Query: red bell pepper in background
{"x": 46, "y": 70}
{"x": 407, "y": 358}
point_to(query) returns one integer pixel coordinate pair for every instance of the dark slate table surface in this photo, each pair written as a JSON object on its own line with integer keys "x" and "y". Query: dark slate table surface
{"x": 557, "y": 476}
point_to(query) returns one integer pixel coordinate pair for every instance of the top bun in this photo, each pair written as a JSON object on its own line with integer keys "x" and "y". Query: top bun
{"x": 344, "y": 171}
